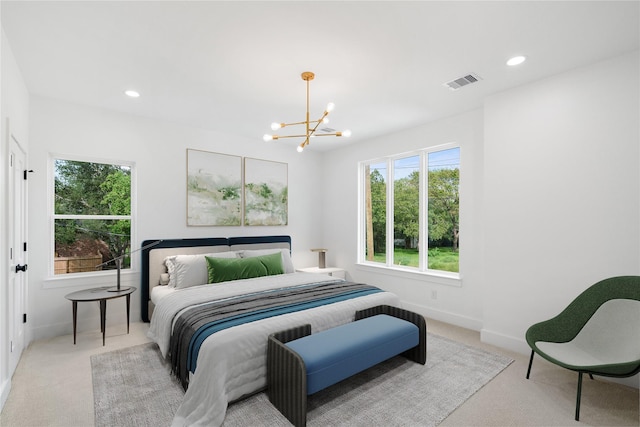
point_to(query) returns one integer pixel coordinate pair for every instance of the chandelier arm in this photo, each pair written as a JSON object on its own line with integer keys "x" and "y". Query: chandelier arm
{"x": 325, "y": 114}
{"x": 292, "y": 124}
{"x": 303, "y": 123}
{"x": 327, "y": 134}
{"x": 288, "y": 136}
{"x": 317, "y": 122}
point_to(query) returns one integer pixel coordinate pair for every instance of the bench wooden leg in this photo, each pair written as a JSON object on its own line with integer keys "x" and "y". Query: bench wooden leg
{"x": 419, "y": 353}
{"x": 287, "y": 375}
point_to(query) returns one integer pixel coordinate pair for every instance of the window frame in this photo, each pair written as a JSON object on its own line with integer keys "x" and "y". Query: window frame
{"x": 105, "y": 275}
{"x": 388, "y": 266}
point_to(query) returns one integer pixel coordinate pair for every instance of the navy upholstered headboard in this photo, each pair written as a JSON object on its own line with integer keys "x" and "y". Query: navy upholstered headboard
{"x": 159, "y": 249}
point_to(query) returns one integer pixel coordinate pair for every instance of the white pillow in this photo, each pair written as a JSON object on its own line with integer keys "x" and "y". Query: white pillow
{"x": 190, "y": 270}
{"x": 287, "y": 264}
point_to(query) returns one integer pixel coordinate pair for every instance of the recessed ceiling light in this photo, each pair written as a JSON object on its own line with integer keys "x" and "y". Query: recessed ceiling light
{"x": 131, "y": 93}
{"x": 516, "y": 60}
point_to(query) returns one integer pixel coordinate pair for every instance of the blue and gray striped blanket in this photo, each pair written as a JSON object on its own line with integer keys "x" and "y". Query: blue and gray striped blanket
{"x": 197, "y": 323}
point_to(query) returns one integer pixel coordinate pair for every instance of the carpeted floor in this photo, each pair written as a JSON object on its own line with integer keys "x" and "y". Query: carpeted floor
{"x": 52, "y": 386}
{"x": 398, "y": 392}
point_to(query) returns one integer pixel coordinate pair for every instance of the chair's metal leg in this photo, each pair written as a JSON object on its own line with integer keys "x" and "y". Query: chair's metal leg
{"x": 530, "y": 362}
{"x": 591, "y": 376}
{"x": 578, "y": 398}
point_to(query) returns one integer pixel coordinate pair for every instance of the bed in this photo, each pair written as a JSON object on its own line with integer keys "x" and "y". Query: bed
{"x": 215, "y": 334}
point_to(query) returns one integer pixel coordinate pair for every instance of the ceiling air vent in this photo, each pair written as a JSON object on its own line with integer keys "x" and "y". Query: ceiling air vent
{"x": 462, "y": 81}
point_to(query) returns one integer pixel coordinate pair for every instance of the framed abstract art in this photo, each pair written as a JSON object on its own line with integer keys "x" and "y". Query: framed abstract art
{"x": 266, "y": 197}
{"x": 214, "y": 189}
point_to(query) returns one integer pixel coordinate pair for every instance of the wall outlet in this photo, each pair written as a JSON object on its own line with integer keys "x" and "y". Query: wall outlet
{"x": 434, "y": 294}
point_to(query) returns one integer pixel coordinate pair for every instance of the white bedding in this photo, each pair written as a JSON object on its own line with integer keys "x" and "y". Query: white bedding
{"x": 232, "y": 362}
{"x": 159, "y": 292}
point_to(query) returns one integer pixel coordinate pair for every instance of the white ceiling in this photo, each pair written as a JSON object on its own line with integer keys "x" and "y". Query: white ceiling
{"x": 235, "y": 67}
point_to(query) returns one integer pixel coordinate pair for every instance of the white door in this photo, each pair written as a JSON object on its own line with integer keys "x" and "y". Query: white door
{"x": 17, "y": 251}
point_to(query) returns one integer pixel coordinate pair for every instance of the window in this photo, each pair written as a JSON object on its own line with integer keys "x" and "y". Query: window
{"x": 410, "y": 210}
{"x": 91, "y": 215}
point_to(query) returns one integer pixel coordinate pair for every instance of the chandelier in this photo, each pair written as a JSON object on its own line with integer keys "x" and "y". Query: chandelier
{"x": 310, "y": 125}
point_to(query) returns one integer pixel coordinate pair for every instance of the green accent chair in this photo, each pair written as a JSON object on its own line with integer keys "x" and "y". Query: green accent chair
{"x": 597, "y": 334}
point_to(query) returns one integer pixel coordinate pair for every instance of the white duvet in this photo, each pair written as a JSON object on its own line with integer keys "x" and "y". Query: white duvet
{"x": 232, "y": 362}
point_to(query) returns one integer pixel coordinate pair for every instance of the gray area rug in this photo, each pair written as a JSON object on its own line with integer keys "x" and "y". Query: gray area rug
{"x": 132, "y": 387}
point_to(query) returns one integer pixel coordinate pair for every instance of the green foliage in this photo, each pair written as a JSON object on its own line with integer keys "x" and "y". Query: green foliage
{"x": 406, "y": 257}
{"x": 439, "y": 258}
{"x": 379, "y": 210}
{"x": 444, "y": 259}
{"x": 84, "y": 188}
{"x": 78, "y": 187}
{"x": 116, "y": 195}
{"x": 406, "y": 209}
{"x": 444, "y": 205}
{"x": 66, "y": 232}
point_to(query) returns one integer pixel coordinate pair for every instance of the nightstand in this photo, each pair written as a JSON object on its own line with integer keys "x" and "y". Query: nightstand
{"x": 331, "y": 271}
{"x": 101, "y": 295}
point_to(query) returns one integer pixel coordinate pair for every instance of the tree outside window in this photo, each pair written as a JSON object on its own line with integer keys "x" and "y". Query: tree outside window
{"x": 406, "y": 211}
{"x": 376, "y": 212}
{"x": 92, "y": 215}
{"x": 431, "y": 176}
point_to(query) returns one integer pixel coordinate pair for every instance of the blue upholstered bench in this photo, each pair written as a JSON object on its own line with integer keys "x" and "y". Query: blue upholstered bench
{"x": 301, "y": 364}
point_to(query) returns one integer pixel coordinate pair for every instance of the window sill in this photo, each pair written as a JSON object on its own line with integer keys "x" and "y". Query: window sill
{"x": 440, "y": 277}
{"x": 106, "y": 278}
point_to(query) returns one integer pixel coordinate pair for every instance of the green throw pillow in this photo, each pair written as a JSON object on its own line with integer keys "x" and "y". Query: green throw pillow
{"x": 226, "y": 269}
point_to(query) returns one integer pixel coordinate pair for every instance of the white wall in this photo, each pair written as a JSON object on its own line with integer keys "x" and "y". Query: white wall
{"x": 5, "y": 381}
{"x": 550, "y": 193}
{"x": 14, "y": 108}
{"x": 562, "y": 193}
{"x": 159, "y": 152}
{"x": 454, "y": 303}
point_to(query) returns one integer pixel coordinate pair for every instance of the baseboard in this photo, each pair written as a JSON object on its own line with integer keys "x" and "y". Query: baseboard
{"x": 633, "y": 381}
{"x": 5, "y": 388}
{"x": 50, "y": 331}
{"x": 84, "y": 324}
{"x": 444, "y": 316}
{"x": 518, "y": 345}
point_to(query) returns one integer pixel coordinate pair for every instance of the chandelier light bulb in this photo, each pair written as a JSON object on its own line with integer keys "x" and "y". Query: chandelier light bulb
{"x": 267, "y": 137}
{"x": 300, "y": 148}
{"x": 276, "y": 126}
{"x": 346, "y": 133}
{"x": 330, "y": 107}
{"x": 325, "y": 120}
